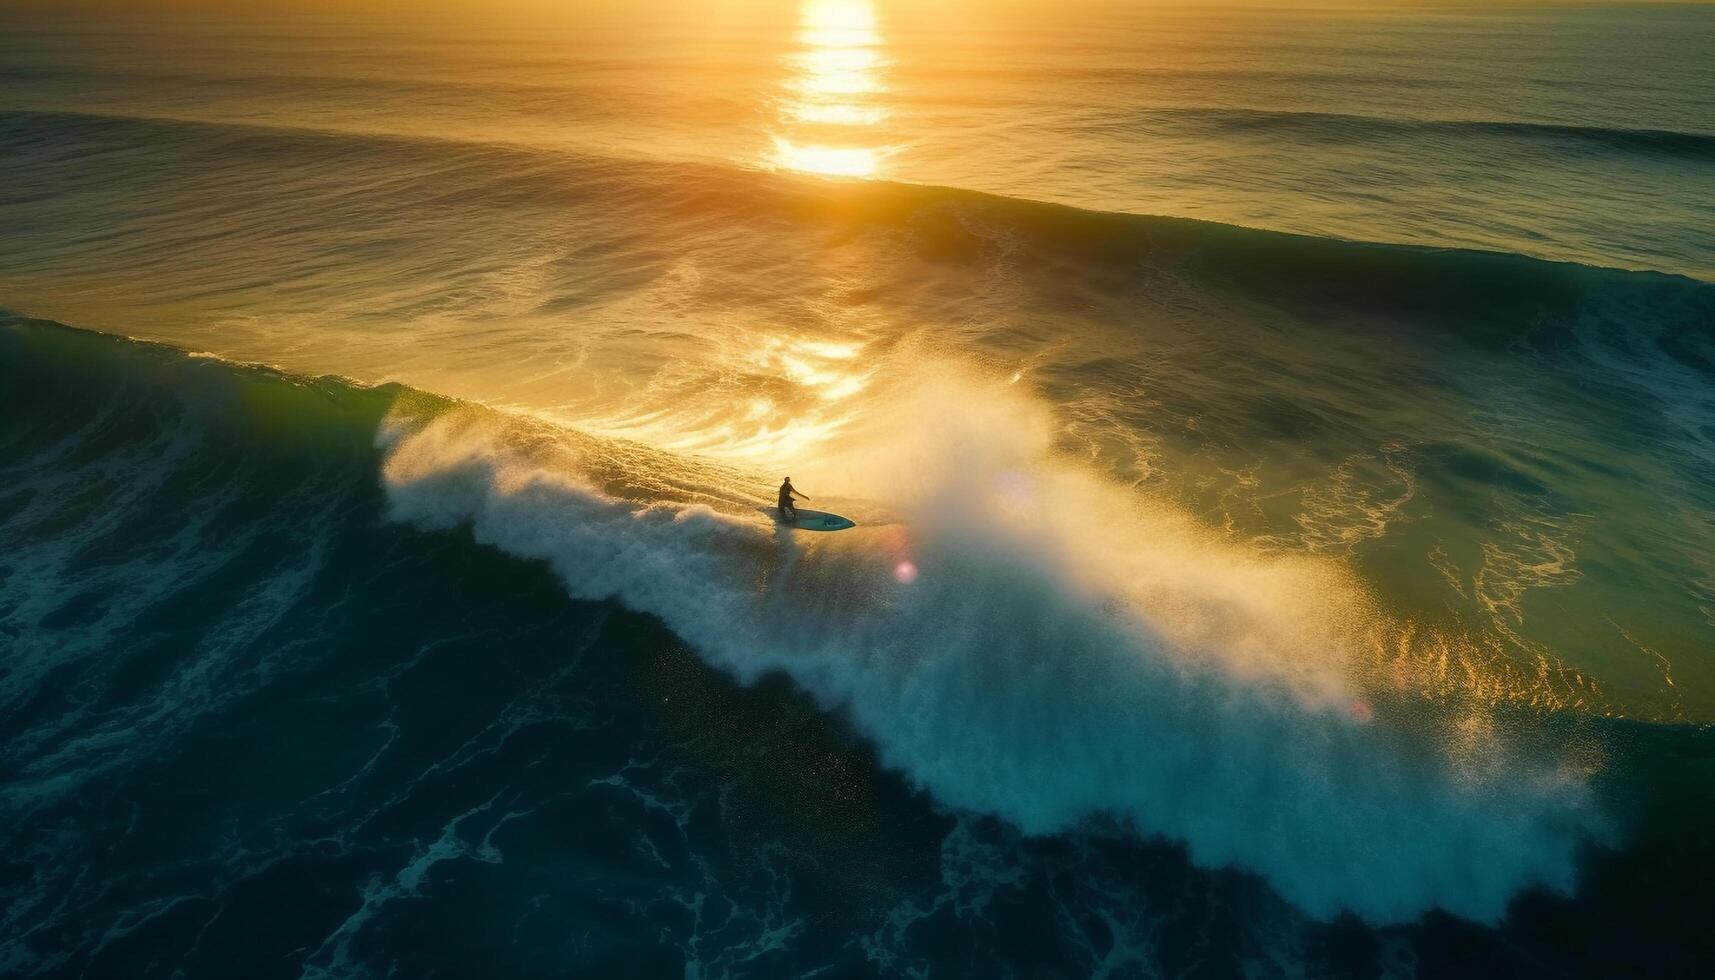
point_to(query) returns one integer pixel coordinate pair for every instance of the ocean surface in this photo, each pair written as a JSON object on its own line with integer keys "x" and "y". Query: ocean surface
{"x": 1282, "y": 442}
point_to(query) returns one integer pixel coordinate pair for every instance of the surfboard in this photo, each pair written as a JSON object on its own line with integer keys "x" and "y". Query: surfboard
{"x": 812, "y": 520}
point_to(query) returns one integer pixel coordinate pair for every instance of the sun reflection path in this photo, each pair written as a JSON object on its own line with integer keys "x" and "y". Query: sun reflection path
{"x": 830, "y": 105}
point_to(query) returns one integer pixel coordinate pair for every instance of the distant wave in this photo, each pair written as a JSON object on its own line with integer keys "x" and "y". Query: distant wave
{"x": 1039, "y": 668}
{"x": 951, "y": 222}
{"x": 565, "y": 96}
{"x": 1343, "y": 127}
{"x": 1351, "y": 127}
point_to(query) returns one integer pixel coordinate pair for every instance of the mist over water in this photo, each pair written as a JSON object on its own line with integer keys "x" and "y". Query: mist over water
{"x": 1283, "y": 449}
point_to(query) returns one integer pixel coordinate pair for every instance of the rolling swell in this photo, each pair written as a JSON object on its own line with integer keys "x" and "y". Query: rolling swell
{"x": 1108, "y": 250}
{"x": 1341, "y": 127}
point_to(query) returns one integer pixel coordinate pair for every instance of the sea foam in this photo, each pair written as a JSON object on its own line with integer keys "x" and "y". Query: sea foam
{"x": 1063, "y": 650}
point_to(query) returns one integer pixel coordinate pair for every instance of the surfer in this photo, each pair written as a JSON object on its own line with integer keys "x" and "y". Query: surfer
{"x": 788, "y": 510}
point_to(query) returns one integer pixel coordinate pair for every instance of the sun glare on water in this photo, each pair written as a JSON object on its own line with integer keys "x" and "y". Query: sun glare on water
{"x": 832, "y": 161}
{"x": 829, "y": 106}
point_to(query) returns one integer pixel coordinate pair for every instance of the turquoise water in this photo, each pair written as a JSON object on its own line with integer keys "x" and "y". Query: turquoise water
{"x": 1283, "y": 448}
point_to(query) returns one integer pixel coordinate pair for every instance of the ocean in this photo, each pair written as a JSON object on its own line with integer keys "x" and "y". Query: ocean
{"x": 1282, "y": 443}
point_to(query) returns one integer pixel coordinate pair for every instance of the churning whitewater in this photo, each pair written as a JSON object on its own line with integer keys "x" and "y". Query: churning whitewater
{"x": 1066, "y": 651}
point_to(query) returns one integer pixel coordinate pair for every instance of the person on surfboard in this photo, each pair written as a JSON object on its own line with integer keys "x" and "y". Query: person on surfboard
{"x": 788, "y": 510}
